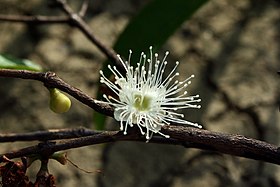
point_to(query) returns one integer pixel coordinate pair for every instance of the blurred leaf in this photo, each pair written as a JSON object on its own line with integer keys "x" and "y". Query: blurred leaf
{"x": 9, "y": 62}
{"x": 151, "y": 27}
{"x": 154, "y": 24}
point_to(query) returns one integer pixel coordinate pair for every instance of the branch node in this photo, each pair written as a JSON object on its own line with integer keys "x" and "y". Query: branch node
{"x": 45, "y": 149}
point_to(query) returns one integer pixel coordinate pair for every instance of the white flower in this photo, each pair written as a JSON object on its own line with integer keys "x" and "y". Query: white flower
{"x": 146, "y": 98}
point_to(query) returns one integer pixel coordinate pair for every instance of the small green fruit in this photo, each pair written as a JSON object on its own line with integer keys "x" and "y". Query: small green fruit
{"x": 59, "y": 103}
{"x": 61, "y": 157}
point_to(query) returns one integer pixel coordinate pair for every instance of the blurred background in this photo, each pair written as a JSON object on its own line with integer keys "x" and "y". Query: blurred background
{"x": 233, "y": 49}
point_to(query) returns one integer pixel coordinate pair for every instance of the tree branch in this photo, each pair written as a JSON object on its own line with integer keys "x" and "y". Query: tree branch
{"x": 51, "y": 80}
{"x": 237, "y": 145}
{"x": 35, "y": 19}
{"x": 84, "y": 8}
{"x": 52, "y": 134}
{"x": 84, "y": 27}
{"x": 73, "y": 19}
{"x": 188, "y": 137}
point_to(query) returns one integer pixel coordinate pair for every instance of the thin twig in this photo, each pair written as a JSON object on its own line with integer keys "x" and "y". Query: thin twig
{"x": 74, "y": 19}
{"x": 35, "y": 19}
{"x": 237, "y": 145}
{"x": 52, "y": 134}
{"x": 51, "y": 80}
{"x": 188, "y": 137}
{"x": 84, "y": 8}
{"x": 84, "y": 27}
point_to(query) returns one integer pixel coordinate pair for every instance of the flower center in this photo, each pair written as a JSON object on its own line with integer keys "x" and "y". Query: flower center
{"x": 142, "y": 103}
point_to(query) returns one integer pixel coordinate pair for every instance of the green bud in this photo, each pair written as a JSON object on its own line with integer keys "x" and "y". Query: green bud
{"x": 61, "y": 157}
{"x": 59, "y": 103}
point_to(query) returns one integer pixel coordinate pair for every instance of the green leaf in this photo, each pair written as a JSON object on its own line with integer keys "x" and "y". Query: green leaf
{"x": 151, "y": 27}
{"x": 154, "y": 24}
{"x": 9, "y": 62}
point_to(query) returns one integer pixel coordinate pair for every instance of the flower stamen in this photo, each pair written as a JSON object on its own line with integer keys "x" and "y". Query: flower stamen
{"x": 146, "y": 98}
